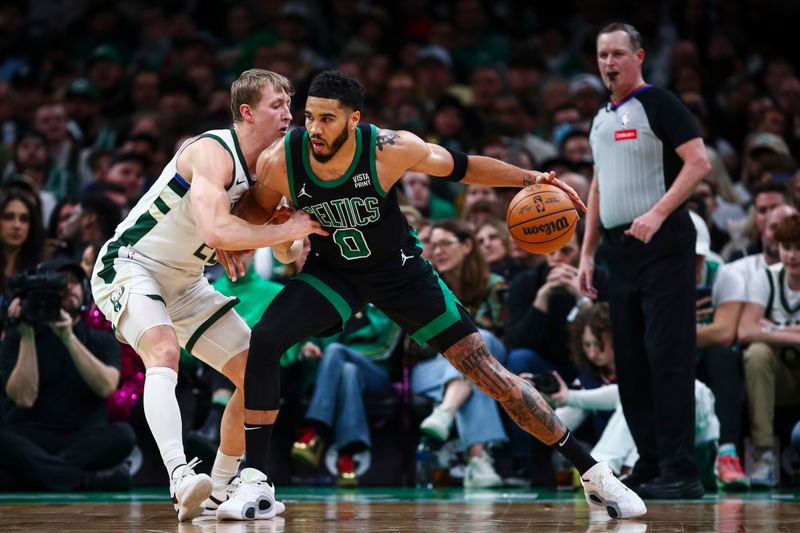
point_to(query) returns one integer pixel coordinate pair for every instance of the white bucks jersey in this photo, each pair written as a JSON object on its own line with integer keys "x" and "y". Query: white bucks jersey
{"x": 783, "y": 304}
{"x": 782, "y": 307}
{"x": 161, "y": 229}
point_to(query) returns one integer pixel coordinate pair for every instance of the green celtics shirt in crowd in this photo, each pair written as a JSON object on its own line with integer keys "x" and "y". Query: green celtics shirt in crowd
{"x": 441, "y": 209}
{"x": 254, "y": 292}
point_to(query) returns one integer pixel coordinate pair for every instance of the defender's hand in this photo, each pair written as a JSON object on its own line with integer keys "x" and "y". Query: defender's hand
{"x": 232, "y": 262}
{"x": 301, "y": 224}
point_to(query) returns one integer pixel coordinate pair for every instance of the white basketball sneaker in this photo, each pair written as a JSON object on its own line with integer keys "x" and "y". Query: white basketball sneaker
{"x": 604, "y": 491}
{"x": 189, "y": 490}
{"x": 220, "y": 495}
{"x": 254, "y": 499}
{"x": 224, "y": 493}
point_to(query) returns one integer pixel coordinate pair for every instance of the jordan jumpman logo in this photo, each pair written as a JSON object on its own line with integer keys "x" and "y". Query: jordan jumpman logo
{"x": 404, "y": 257}
{"x": 303, "y": 192}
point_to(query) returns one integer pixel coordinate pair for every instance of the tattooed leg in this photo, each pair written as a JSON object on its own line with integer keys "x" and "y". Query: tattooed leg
{"x": 524, "y": 404}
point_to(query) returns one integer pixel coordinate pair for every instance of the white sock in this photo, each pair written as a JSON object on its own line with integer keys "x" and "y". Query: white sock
{"x": 164, "y": 416}
{"x": 224, "y": 469}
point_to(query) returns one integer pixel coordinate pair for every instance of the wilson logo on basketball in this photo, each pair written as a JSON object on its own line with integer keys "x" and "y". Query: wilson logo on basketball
{"x": 560, "y": 224}
{"x": 625, "y": 135}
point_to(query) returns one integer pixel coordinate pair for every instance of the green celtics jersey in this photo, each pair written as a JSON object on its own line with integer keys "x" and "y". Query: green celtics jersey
{"x": 365, "y": 223}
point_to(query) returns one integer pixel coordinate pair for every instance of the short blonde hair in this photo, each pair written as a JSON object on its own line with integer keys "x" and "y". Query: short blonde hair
{"x": 248, "y": 86}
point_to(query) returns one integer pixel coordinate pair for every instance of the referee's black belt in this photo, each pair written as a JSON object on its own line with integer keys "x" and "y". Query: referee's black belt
{"x": 617, "y": 233}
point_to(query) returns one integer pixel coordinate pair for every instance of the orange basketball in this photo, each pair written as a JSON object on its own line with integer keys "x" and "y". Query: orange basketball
{"x": 541, "y": 218}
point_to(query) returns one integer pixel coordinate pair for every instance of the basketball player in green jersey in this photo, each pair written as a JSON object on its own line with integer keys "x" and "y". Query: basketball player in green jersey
{"x": 342, "y": 173}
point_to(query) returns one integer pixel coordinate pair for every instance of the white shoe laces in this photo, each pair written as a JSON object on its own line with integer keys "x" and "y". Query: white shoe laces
{"x": 187, "y": 470}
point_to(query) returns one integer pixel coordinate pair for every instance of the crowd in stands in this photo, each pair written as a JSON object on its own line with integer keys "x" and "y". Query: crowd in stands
{"x": 96, "y": 96}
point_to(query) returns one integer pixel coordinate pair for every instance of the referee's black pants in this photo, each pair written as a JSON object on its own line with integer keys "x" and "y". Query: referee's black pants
{"x": 652, "y": 304}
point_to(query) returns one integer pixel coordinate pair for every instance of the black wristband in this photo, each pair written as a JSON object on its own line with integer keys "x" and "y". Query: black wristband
{"x": 460, "y": 160}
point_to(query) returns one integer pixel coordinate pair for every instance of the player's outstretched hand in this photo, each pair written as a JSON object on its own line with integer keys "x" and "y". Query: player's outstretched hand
{"x": 550, "y": 177}
{"x": 233, "y": 262}
{"x": 301, "y": 224}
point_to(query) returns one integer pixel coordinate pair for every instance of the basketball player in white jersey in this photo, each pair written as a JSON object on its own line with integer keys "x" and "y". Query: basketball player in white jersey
{"x": 148, "y": 279}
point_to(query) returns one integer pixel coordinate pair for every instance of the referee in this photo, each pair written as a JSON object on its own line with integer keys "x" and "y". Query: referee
{"x": 649, "y": 157}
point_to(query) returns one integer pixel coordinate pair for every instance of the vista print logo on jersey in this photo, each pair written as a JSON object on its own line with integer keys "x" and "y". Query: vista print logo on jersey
{"x": 361, "y": 180}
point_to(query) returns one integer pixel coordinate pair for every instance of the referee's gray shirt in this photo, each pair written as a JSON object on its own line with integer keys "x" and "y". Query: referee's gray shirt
{"x": 633, "y": 145}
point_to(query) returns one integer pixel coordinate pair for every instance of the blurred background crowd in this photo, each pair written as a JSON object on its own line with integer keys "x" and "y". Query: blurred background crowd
{"x": 96, "y": 96}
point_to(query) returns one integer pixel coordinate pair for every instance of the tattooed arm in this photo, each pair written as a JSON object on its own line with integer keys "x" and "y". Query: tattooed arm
{"x": 399, "y": 151}
{"x": 524, "y": 404}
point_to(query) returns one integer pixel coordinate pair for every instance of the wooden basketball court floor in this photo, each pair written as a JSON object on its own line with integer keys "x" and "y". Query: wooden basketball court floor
{"x": 322, "y": 510}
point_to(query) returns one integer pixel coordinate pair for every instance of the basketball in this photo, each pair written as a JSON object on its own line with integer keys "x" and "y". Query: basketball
{"x": 541, "y": 218}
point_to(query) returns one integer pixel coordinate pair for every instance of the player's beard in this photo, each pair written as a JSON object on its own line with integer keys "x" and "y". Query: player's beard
{"x": 335, "y": 145}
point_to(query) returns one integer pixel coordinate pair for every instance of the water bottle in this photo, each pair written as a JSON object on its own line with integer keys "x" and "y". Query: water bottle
{"x": 426, "y": 463}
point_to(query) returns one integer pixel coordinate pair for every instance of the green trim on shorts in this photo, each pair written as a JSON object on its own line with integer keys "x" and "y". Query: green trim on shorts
{"x": 336, "y": 299}
{"x": 156, "y": 297}
{"x": 449, "y": 317}
{"x": 208, "y": 323}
